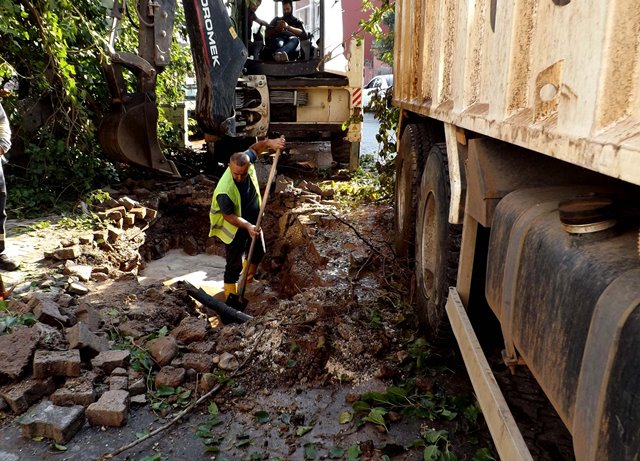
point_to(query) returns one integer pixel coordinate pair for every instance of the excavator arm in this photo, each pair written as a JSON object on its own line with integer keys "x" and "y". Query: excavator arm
{"x": 128, "y": 132}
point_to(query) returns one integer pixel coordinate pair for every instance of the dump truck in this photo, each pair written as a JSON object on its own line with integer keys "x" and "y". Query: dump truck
{"x": 517, "y": 199}
{"x": 240, "y": 95}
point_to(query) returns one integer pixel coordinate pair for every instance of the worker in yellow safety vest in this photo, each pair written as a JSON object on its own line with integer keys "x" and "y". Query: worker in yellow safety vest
{"x": 234, "y": 211}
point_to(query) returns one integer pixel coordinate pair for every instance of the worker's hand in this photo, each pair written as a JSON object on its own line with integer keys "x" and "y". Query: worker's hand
{"x": 277, "y": 143}
{"x": 254, "y": 231}
{"x": 281, "y": 25}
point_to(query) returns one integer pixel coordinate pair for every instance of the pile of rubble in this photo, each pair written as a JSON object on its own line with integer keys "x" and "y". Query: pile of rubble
{"x": 79, "y": 360}
{"x": 66, "y": 358}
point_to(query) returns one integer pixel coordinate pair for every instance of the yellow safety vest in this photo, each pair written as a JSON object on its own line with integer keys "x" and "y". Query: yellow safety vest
{"x": 220, "y": 227}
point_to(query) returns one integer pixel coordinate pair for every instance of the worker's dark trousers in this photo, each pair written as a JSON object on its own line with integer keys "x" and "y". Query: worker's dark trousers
{"x": 234, "y": 251}
{"x": 3, "y": 218}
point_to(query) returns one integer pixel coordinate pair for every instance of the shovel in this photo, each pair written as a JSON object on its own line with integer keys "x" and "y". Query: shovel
{"x": 238, "y": 301}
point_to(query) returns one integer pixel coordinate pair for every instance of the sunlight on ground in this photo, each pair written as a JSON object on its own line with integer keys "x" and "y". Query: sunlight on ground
{"x": 202, "y": 270}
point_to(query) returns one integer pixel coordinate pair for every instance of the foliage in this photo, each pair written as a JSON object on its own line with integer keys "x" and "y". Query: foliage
{"x": 380, "y": 24}
{"x": 167, "y": 398}
{"x": 56, "y": 95}
{"x": 9, "y": 320}
{"x": 370, "y": 183}
{"x": 459, "y": 413}
{"x": 210, "y": 439}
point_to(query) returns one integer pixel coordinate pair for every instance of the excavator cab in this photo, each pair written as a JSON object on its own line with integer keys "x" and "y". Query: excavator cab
{"x": 128, "y": 132}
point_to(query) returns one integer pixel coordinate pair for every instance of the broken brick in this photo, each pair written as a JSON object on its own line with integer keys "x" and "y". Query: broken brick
{"x": 110, "y": 410}
{"x": 76, "y": 391}
{"x": 56, "y": 363}
{"x": 52, "y": 422}
{"x": 21, "y": 395}
{"x": 107, "y": 361}
{"x": 82, "y": 338}
{"x": 16, "y": 350}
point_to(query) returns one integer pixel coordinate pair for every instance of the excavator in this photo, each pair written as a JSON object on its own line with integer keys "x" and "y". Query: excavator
{"x": 240, "y": 94}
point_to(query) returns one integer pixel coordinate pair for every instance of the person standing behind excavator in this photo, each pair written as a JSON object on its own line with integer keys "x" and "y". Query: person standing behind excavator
{"x": 284, "y": 34}
{"x": 234, "y": 212}
{"x": 5, "y": 144}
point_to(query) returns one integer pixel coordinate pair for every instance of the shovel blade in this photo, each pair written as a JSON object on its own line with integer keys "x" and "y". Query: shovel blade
{"x": 239, "y": 304}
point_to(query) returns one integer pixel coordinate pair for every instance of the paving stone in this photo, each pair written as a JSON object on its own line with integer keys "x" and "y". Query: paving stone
{"x": 99, "y": 277}
{"x": 52, "y": 421}
{"x": 202, "y": 347}
{"x": 133, "y": 328}
{"x": 67, "y": 253}
{"x": 83, "y": 272}
{"x": 86, "y": 239}
{"x": 191, "y": 329}
{"x": 16, "y": 351}
{"x": 139, "y": 212}
{"x": 118, "y": 383}
{"x": 82, "y": 338}
{"x": 76, "y": 391}
{"x": 140, "y": 399}
{"x": 151, "y": 214}
{"x": 137, "y": 383}
{"x": 108, "y": 361}
{"x": 128, "y": 203}
{"x": 199, "y": 362}
{"x": 64, "y": 300}
{"x": 228, "y": 362}
{"x": 21, "y": 395}
{"x": 110, "y": 410}
{"x": 128, "y": 220}
{"x": 77, "y": 288}
{"x": 47, "y": 311}
{"x": 190, "y": 245}
{"x": 119, "y": 372}
{"x": 170, "y": 376}
{"x": 163, "y": 349}
{"x": 114, "y": 233}
{"x": 90, "y": 316}
{"x": 56, "y": 363}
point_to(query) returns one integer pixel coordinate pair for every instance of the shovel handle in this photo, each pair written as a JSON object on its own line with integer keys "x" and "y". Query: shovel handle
{"x": 265, "y": 197}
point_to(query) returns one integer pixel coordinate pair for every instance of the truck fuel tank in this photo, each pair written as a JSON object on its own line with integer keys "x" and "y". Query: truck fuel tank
{"x": 567, "y": 295}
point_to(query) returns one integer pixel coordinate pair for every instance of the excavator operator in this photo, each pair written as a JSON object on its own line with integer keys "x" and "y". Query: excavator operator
{"x": 284, "y": 34}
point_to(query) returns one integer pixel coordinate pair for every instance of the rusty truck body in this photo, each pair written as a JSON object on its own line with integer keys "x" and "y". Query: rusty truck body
{"x": 517, "y": 197}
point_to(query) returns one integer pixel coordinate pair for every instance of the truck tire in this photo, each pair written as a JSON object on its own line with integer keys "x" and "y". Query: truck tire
{"x": 415, "y": 143}
{"x": 437, "y": 246}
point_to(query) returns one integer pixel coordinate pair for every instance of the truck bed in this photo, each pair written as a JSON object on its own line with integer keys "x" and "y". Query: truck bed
{"x": 557, "y": 77}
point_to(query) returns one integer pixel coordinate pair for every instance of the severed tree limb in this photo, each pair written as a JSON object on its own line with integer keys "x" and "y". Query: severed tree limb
{"x": 348, "y": 224}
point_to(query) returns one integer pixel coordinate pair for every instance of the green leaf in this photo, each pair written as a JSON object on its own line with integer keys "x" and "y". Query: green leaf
{"x": 431, "y": 453}
{"x": 165, "y": 391}
{"x": 59, "y": 447}
{"x": 336, "y": 453}
{"x": 376, "y": 416}
{"x": 163, "y": 331}
{"x": 361, "y": 406}
{"x": 483, "y": 454}
{"x": 243, "y": 442}
{"x": 302, "y": 430}
{"x": 345, "y": 417}
{"x": 353, "y": 452}
{"x": 213, "y": 409}
{"x": 448, "y": 415}
{"x": 262, "y": 417}
{"x": 310, "y": 451}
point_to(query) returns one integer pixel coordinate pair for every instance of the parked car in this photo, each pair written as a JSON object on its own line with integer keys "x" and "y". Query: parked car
{"x": 377, "y": 85}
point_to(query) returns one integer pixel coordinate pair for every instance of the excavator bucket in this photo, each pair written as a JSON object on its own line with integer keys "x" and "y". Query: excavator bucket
{"x": 129, "y": 134}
